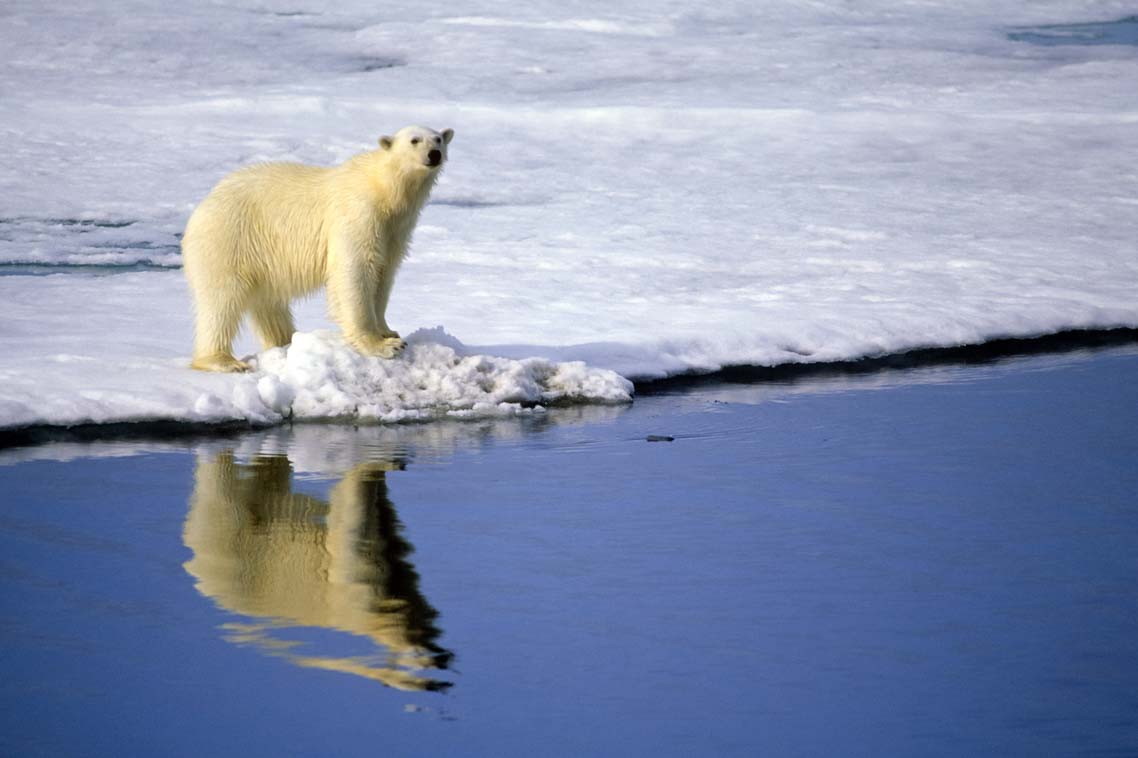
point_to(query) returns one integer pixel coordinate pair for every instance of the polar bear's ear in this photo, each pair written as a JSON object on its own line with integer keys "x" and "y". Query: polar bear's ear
{"x": 385, "y": 142}
{"x": 448, "y": 134}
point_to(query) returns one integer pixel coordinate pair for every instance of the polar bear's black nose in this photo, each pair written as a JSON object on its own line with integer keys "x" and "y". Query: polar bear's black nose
{"x": 434, "y": 158}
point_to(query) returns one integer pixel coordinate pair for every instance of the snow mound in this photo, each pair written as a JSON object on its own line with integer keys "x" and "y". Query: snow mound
{"x": 319, "y": 376}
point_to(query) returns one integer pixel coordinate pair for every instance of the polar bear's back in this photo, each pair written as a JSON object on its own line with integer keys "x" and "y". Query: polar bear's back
{"x": 265, "y": 223}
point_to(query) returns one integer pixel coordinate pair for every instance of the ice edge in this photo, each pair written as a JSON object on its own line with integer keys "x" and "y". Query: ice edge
{"x": 987, "y": 351}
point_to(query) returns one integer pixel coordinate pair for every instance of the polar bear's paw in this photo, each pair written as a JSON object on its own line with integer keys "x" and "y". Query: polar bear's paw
{"x": 221, "y": 363}
{"x": 389, "y": 347}
{"x": 383, "y": 347}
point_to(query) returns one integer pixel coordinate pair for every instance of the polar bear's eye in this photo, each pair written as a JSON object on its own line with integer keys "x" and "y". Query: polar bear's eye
{"x": 415, "y": 140}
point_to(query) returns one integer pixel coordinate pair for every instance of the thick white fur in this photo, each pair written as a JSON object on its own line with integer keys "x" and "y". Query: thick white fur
{"x": 270, "y": 233}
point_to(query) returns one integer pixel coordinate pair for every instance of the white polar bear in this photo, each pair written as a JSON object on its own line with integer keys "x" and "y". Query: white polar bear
{"x": 270, "y": 233}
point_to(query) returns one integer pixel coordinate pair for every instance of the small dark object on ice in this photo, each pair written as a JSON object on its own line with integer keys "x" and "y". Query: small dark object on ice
{"x": 660, "y": 438}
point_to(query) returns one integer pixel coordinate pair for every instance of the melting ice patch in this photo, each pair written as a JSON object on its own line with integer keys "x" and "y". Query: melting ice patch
{"x": 53, "y": 242}
{"x": 1124, "y": 31}
{"x": 319, "y": 376}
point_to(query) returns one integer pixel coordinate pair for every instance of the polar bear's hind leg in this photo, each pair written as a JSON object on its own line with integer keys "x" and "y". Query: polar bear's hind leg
{"x": 273, "y": 323}
{"x": 218, "y": 317}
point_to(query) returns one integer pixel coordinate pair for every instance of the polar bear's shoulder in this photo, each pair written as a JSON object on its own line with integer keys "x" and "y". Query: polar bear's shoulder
{"x": 287, "y": 173}
{"x": 271, "y": 184}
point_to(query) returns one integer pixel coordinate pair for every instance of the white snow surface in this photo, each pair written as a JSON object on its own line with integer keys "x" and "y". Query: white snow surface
{"x": 649, "y": 188}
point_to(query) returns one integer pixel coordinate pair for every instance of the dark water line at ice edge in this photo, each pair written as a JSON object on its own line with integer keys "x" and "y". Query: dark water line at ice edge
{"x": 990, "y": 351}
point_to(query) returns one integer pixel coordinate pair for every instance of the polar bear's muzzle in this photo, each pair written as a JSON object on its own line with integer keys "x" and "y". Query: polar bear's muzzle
{"x": 434, "y": 158}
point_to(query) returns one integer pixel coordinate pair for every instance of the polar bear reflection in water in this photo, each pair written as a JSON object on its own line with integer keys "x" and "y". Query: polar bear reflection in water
{"x": 288, "y": 560}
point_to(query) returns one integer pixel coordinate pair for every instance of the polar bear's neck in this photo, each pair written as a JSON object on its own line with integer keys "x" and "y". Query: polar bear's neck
{"x": 399, "y": 190}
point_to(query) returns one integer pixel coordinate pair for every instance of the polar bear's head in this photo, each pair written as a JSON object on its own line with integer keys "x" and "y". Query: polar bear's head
{"x": 419, "y": 146}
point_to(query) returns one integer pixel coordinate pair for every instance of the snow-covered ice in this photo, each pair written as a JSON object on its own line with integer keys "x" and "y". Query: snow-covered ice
{"x": 143, "y": 375}
{"x": 647, "y": 188}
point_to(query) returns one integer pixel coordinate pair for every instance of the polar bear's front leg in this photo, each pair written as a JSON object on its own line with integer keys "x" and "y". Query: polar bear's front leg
{"x": 383, "y": 295}
{"x": 351, "y": 298}
{"x": 389, "y": 344}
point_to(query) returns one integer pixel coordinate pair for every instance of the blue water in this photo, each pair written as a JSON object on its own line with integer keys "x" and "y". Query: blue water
{"x": 936, "y": 562}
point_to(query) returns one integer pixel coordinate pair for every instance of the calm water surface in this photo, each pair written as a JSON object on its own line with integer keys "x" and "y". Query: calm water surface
{"x": 938, "y": 562}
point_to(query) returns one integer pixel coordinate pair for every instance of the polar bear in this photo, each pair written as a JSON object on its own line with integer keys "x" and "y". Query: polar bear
{"x": 273, "y": 232}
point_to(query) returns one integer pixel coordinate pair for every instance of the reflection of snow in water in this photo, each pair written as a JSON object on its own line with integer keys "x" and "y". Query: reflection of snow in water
{"x": 328, "y": 451}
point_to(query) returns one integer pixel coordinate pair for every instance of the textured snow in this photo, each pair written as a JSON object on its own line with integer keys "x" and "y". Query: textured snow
{"x": 648, "y": 188}
{"x": 318, "y": 375}
{"x": 144, "y": 376}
